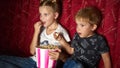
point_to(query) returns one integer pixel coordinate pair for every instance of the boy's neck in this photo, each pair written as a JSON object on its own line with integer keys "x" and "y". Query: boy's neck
{"x": 93, "y": 33}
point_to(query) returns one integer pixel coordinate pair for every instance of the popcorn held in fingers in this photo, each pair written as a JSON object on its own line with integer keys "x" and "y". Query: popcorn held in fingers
{"x": 56, "y": 34}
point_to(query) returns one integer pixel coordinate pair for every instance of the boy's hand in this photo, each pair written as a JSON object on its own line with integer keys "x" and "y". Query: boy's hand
{"x": 37, "y": 26}
{"x": 58, "y": 36}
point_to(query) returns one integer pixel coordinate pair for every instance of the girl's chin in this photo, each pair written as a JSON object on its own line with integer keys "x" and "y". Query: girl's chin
{"x": 44, "y": 25}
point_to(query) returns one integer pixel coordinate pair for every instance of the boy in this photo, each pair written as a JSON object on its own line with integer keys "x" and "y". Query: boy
{"x": 87, "y": 46}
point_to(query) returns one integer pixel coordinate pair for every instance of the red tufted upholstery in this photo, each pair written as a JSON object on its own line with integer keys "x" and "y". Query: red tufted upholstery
{"x": 18, "y": 16}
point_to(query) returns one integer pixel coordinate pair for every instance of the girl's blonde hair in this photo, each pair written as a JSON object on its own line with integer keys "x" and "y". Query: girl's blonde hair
{"x": 91, "y": 14}
{"x": 54, "y": 4}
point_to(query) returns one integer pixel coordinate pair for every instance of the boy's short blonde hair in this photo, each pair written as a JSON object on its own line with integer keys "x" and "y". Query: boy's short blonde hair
{"x": 90, "y": 14}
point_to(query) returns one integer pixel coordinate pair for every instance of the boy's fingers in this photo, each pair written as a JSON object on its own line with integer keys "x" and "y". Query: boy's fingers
{"x": 57, "y": 36}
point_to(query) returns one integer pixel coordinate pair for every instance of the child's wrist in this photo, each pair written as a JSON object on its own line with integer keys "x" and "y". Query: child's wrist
{"x": 59, "y": 39}
{"x": 62, "y": 41}
{"x": 37, "y": 32}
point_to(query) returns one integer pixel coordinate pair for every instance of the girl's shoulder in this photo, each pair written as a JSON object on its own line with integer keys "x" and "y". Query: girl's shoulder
{"x": 60, "y": 28}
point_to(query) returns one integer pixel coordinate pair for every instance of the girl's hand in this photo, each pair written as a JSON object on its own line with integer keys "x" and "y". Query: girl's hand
{"x": 37, "y": 26}
{"x": 54, "y": 54}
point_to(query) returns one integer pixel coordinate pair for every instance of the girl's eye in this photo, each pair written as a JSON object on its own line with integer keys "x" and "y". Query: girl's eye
{"x": 45, "y": 14}
{"x": 82, "y": 25}
{"x": 40, "y": 14}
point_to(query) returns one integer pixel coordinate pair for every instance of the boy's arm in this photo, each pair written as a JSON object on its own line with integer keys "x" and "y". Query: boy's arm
{"x": 64, "y": 55}
{"x": 106, "y": 60}
{"x": 66, "y": 46}
{"x": 63, "y": 43}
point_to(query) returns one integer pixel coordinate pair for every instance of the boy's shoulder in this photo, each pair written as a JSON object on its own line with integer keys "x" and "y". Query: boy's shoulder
{"x": 100, "y": 37}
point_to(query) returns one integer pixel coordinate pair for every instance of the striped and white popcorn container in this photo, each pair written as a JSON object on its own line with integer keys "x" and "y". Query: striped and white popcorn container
{"x": 43, "y": 59}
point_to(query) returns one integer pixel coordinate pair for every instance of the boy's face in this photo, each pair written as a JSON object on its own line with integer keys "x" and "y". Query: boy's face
{"x": 47, "y": 15}
{"x": 84, "y": 29}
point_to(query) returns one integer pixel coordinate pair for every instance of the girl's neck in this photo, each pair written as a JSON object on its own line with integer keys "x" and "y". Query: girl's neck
{"x": 51, "y": 28}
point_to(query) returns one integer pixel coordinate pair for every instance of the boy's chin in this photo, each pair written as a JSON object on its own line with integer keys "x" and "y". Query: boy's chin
{"x": 82, "y": 36}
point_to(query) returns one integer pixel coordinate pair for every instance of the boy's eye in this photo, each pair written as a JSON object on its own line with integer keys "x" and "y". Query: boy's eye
{"x": 81, "y": 25}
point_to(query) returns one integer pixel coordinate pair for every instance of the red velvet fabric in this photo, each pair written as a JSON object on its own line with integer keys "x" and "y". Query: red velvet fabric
{"x": 18, "y": 16}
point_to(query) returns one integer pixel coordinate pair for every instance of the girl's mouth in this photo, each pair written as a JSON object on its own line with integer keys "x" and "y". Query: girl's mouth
{"x": 43, "y": 23}
{"x": 79, "y": 33}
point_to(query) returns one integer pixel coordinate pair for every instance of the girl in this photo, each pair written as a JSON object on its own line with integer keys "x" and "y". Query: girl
{"x": 49, "y": 11}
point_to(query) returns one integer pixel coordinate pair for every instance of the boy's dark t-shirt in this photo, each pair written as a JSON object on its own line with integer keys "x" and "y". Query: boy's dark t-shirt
{"x": 88, "y": 50}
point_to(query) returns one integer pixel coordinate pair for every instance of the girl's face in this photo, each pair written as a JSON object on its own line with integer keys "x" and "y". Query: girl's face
{"x": 47, "y": 16}
{"x": 84, "y": 29}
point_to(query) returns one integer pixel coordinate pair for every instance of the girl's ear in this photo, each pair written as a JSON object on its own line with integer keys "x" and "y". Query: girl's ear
{"x": 94, "y": 27}
{"x": 56, "y": 15}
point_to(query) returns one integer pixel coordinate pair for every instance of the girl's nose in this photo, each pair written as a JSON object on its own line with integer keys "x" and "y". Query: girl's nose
{"x": 41, "y": 18}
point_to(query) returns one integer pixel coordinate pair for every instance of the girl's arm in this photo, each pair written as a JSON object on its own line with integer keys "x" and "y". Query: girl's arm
{"x": 106, "y": 60}
{"x": 35, "y": 38}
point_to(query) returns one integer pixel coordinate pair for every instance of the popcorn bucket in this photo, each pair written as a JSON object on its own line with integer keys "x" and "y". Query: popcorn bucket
{"x": 43, "y": 59}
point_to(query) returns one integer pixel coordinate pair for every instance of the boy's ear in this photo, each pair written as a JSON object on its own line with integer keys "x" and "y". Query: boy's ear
{"x": 56, "y": 15}
{"x": 94, "y": 27}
